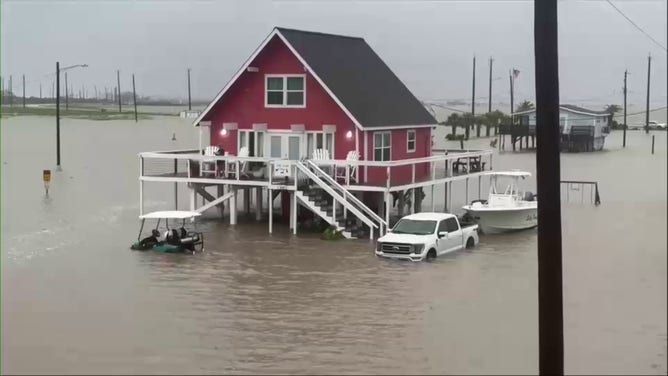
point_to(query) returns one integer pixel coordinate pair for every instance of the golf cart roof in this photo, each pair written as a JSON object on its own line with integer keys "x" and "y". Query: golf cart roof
{"x": 171, "y": 214}
{"x": 513, "y": 173}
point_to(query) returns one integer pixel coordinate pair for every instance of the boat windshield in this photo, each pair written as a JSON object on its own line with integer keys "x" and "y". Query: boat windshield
{"x": 414, "y": 227}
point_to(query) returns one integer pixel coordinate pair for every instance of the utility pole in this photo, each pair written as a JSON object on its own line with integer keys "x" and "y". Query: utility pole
{"x": 472, "y": 104}
{"x": 58, "y": 113}
{"x": 649, "y": 66}
{"x": 189, "y": 102}
{"x": 24, "y": 91}
{"x": 118, "y": 82}
{"x": 95, "y": 86}
{"x": 626, "y": 72}
{"x": 512, "y": 105}
{"x": 67, "y": 88}
{"x": 491, "y": 62}
{"x": 134, "y": 95}
{"x": 11, "y": 91}
{"x": 550, "y": 278}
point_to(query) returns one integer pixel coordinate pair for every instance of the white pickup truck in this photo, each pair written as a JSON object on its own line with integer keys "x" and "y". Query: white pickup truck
{"x": 424, "y": 236}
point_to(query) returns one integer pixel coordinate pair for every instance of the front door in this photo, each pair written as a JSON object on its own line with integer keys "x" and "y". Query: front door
{"x": 285, "y": 146}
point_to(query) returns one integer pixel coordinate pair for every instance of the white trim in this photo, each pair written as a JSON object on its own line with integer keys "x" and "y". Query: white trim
{"x": 298, "y": 128}
{"x": 230, "y": 126}
{"x": 565, "y": 109}
{"x": 366, "y": 154}
{"x": 408, "y": 133}
{"x": 236, "y": 76}
{"x": 260, "y": 127}
{"x": 392, "y": 127}
{"x": 317, "y": 78}
{"x": 382, "y": 146}
{"x": 284, "y": 90}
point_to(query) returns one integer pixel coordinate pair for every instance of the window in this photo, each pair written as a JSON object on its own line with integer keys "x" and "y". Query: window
{"x": 414, "y": 227}
{"x": 382, "y": 146}
{"x": 443, "y": 226}
{"x": 410, "y": 141}
{"x": 451, "y": 224}
{"x": 319, "y": 140}
{"x": 285, "y": 91}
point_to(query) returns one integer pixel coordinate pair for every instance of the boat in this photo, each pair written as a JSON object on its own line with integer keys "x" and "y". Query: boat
{"x": 172, "y": 240}
{"x": 509, "y": 210}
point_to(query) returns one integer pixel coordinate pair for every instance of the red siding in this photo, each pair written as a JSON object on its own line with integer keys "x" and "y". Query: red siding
{"x": 400, "y": 174}
{"x": 243, "y": 103}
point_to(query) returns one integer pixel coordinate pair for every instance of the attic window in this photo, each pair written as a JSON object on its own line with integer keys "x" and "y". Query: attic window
{"x": 285, "y": 91}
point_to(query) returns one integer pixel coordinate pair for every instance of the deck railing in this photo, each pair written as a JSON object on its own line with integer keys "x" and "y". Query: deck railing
{"x": 370, "y": 175}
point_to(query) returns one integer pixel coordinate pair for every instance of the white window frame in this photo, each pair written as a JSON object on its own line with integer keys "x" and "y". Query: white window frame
{"x": 389, "y": 146}
{"x": 408, "y": 141}
{"x": 323, "y": 135}
{"x": 285, "y": 91}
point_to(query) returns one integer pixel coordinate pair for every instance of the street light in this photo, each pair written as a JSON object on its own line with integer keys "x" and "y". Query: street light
{"x": 58, "y": 70}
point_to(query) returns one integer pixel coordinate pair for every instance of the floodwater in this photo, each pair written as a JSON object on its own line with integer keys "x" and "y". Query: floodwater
{"x": 75, "y": 299}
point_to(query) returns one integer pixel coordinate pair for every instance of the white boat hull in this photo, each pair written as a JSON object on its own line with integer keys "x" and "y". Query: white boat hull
{"x": 502, "y": 220}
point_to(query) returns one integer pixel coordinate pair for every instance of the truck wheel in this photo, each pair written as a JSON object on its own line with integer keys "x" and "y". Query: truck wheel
{"x": 431, "y": 255}
{"x": 470, "y": 243}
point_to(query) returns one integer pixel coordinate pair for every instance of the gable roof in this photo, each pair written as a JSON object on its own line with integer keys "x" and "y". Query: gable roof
{"x": 354, "y": 76}
{"x": 571, "y": 108}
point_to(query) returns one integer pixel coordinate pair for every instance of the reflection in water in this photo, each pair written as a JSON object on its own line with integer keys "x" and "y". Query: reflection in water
{"x": 257, "y": 303}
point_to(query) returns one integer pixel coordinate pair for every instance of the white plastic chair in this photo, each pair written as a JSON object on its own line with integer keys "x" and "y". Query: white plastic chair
{"x": 353, "y": 156}
{"x": 322, "y": 155}
{"x": 231, "y": 166}
{"x": 210, "y": 151}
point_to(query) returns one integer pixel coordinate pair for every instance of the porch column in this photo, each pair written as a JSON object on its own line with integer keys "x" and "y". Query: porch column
{"x": 388, "y": 205}
{"x": 293, "y": 212}
{"x": 432, "y": 198}
{"x": 270, "y": 194}
{"x": 445, "y": 197}
{"x": 401, "y": 202}
{"x": 233, "y": 206}
{"x": 193, "y": 198}
{"x": 479, "y": 188}
{"x": 258, "y": 203}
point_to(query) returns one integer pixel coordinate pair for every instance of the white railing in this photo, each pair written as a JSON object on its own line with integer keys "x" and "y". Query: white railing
{"x": 448, "y": 159}
{"x": 335, "y": 196}
{"x": 350, "y": 197}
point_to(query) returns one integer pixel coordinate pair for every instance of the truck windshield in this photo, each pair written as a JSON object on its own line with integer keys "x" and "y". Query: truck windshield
{"x": 415, "y": 227}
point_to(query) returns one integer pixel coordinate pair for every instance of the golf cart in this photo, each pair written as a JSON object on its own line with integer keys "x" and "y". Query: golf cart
{"x": 172, "y": 240}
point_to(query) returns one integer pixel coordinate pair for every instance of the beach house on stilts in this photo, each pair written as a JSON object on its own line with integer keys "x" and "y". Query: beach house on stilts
{"x": 317, "y": 125}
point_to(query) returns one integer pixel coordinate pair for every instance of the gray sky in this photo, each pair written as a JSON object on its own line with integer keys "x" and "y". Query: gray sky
{"x": 429, "y": 44}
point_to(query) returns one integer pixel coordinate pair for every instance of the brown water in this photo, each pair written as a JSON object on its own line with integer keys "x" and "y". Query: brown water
{"x": 76, "y": 300}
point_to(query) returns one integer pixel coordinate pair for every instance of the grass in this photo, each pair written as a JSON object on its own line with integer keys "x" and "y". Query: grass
{"x": 74, "y": 113}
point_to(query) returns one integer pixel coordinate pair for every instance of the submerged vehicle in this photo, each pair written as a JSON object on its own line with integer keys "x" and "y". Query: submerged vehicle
{"x": 172, "y": 240}
{"x": 505, "y": 211}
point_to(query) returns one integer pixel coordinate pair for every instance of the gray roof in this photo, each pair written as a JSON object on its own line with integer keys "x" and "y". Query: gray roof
{"x": 358, "y": 77}
{"x": 570, "y": 107}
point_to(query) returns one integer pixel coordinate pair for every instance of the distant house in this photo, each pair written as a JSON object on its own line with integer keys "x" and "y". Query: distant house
{"x": 581, "y": 129}
{"x": 301, "y": 91}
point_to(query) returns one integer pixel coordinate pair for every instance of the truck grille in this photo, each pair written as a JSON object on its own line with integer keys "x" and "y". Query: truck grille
{"x": 398, "y": 248}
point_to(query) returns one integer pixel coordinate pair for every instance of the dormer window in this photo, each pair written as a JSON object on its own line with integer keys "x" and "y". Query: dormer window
{"x": 285, "y": 91}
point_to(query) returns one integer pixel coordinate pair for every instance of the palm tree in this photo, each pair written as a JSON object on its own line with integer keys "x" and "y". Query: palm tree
{"x": 612, "y": 109}
{"x": 525, "y": 106}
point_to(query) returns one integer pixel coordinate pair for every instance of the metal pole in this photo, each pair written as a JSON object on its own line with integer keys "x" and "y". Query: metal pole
{"x": 134, "y": 96}
{"x": 58, "y": 113}
{"x": 649, "y": 66}
{"x": 118, "y": 83}
{"x": 67, "y": 88}
{"x": 489, "y": 107}
{"x": 626, "y": 72}
{"x": 472, "y": 103}
{"x": 550, "y": 294}
{"x": 512, "y": 108}
{"x": 189, "y": 102}
{"x": 652, "y": 144}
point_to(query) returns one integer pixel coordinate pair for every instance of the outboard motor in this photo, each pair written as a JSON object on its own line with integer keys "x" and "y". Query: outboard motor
{"x": 528, "y": 196}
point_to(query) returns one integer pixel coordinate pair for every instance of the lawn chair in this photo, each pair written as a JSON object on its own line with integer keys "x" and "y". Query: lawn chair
{"x": 322, "y": 155}
{"x": 232, "y": 166}
{"x": 209, "y": 164}
{"x": 353, "y": 156}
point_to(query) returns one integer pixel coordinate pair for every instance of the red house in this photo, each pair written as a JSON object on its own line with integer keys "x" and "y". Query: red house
{"x": 300, "y": 91}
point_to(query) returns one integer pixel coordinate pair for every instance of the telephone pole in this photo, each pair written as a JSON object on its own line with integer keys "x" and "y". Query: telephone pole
{"x": 58, "y": 113}
{"x": 626, "y": 73}
{"x": 512, "y": 105}
{"x": 134, "y": 96}
{"x": 489, "y": 107}
{"x": 189, "y": 102}
{"x": 118, "y": 82}
{"x": 11, "y": 91}
{"x": 472, "y": 103}
{"x": 550, "y": 275}
{"x": 649, "y": 66}
{"x": 24, "y": 91}
{"x": 67, "y": 88}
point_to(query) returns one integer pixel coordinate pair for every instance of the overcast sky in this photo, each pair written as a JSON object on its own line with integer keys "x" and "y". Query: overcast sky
{"x": 428, "y": 44}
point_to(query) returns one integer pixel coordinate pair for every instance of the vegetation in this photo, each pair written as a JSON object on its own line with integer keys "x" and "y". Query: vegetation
{"x": 525, "y": 106}
{"x": 612, "y": 109}
{"x": 76, "y": 113}
{"x": 331, "y": 234}
{"x": 488, "y": 120}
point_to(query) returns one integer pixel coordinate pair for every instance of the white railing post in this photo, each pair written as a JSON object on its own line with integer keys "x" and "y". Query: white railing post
{"x": 388, "y": 177}
{"x": 270, "y": 172}
{"x": 141, "y": 185}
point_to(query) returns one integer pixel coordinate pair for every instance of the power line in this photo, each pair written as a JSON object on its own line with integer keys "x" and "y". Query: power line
{"x": 636, "y": 26}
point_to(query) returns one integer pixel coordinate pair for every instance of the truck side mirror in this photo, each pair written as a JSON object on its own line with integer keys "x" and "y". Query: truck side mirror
{"x": 442, "y": 234}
